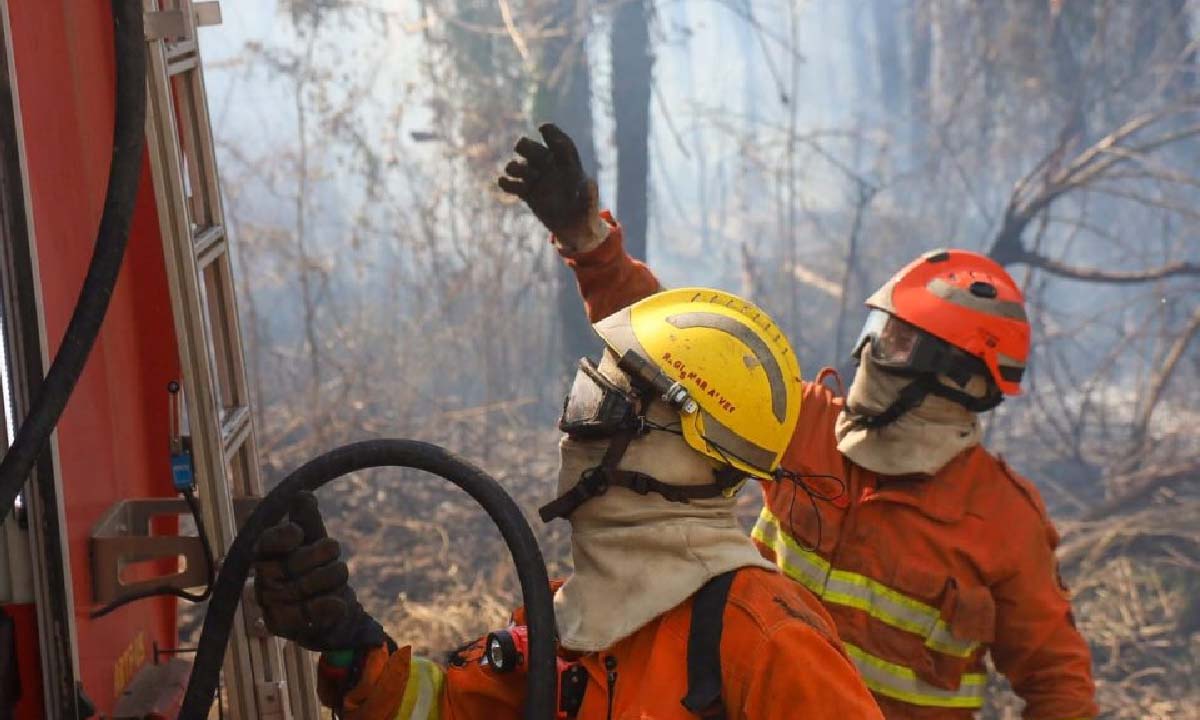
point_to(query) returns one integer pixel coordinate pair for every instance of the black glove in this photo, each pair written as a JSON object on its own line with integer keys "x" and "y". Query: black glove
{"x": 553, "y": 184}
{"x": 303, "y": 587}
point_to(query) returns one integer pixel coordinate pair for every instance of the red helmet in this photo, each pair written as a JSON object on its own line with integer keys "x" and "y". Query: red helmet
{"x": 962, "y": 298}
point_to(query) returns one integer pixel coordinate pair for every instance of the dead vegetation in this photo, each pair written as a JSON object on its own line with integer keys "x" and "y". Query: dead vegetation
{"x": 1134, "y": 583}
{"x": 388, "y": 291}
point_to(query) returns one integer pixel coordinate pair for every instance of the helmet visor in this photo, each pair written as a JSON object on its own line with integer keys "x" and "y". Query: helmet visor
{"x": 595, "y": 407}
{"x": 893, "y": 342}
{"x": 902, "y": 347}
{"x": 896, "y": 343}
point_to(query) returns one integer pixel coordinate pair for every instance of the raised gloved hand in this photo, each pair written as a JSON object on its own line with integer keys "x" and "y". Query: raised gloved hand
{"x": 303, "y": 586}
{"x": 551, "y": 181}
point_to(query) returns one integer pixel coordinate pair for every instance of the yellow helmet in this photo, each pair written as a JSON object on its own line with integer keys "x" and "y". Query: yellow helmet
{"x": 723, "y": 363}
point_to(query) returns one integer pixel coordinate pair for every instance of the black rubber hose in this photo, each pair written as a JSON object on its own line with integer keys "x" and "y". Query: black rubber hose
{"x": 129, "y": 133}
{"x": 541, "y": 700}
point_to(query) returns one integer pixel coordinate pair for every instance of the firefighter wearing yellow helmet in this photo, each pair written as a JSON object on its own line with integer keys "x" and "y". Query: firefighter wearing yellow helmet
{"x": 719, "y": 362}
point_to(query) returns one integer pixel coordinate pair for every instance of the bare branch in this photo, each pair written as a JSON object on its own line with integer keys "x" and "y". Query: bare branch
{"x": 511, "y": 26}
{"x": 1142, "y": 486}
{"x": 1071, "y": 272}
{"x": 1164, "y": 374}
{"x": 817, "y": 281}
{"x": 1093, "y": 165}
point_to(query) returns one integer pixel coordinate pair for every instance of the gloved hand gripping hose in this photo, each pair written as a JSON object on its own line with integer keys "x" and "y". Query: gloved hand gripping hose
{"x": 128, "y": 140}
{"x": 531, "y": 569}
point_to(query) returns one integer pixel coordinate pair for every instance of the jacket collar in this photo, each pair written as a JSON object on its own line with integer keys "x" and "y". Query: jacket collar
{"x": 943, "y": 496}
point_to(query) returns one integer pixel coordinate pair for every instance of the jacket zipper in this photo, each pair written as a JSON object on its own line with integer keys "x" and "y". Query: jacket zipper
{"x": 610, "y": 664}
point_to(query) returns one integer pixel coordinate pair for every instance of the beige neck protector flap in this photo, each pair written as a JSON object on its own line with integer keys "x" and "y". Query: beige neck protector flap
{"x": 921, "y": 441}
{"x": 637, "y": 556}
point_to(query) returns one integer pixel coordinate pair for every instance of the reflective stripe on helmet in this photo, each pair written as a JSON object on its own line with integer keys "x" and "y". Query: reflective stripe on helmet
{"x": 989, "y": 306}
{"x": 730, "y": 443}
{"x": 1011, "y": 369}
{"x": 762, "y": 354}
{"x": 842, "y": 587}
{"x": 901, "y": 683}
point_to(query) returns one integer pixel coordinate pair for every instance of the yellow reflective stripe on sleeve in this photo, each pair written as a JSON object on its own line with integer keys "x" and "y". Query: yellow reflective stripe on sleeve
{"x": 423, "y": 693}
{"x": 901, "y": 683}
{"x": 854, "y": 590}
{"x": 810, "y": 569}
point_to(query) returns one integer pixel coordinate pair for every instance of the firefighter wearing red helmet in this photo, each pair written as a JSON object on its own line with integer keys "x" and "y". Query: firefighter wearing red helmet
{"x": 936, "y": 554}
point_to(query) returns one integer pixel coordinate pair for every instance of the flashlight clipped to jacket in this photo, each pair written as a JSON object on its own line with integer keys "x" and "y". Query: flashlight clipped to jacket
{"x": 508, "y": 651}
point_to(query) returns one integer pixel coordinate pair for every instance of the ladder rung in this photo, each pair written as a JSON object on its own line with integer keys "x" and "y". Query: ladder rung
{"x": 208, "y": 244}
{"x": 163, "y": 24}
{"x": 181, "y": 57}
{"x": 207, "y": 13}
{"x": 235, "y": 428}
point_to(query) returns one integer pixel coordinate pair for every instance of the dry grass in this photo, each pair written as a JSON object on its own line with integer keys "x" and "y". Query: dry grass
{"x": 431, "y": 567}
{"x": 1135, "y": 579}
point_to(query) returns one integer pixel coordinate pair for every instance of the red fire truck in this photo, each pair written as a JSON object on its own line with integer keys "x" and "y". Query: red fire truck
{"x": 92, "y": 541}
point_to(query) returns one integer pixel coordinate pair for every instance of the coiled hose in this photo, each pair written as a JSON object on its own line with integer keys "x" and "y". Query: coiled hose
{"x": 541, "y": 702}
{"x": 129, "y": 130}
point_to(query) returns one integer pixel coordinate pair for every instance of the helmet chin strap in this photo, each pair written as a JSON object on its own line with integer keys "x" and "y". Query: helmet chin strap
{"x": 915, "y": 393}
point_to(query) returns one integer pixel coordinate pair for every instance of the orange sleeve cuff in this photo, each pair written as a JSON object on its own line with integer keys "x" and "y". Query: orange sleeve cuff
{"x": 609, "y": 279}
{"x": 380, "y": 692}
{"x": 608, "y": 250}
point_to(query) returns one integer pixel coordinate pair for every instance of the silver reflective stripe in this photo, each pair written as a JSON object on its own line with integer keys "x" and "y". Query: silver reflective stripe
{"x": 730, "y": 443}
{"x": 424, "y": 701}
{"x": 842, "y": 587}
{"x": 901, "y": 683}
{"x": 762, "y": 353}
{"x": 422, "y": 694}
{"x": 617, "y": 331}
{"x": 810, "y": 569}
{"x": 999, "y": 308}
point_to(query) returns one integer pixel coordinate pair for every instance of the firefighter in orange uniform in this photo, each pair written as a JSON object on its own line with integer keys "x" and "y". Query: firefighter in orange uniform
{"x": 670, "y": 611}
{"x": 936, "y": 553}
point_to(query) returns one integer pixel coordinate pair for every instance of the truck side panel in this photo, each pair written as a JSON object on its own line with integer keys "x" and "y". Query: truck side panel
{"x": 112, "y": 438}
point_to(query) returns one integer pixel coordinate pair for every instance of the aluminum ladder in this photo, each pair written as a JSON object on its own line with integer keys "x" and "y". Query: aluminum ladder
{"x": 263, "y": 677}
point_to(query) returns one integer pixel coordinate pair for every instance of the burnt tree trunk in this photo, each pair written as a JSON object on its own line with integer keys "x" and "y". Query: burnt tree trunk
{"x": 632, "y": 75}
{"x": 564, "y": 97}
{"x": 921, "y": 31}
{"x": 886, "y": 17}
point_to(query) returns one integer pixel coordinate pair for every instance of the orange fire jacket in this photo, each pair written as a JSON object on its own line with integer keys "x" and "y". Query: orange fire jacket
{"x": 779, "y": 658}
{"x": 922, "y": 575}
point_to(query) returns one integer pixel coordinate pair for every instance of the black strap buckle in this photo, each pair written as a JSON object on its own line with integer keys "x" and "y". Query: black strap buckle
{"x": 593, "y": 482}
{"x": 640, "y": 483}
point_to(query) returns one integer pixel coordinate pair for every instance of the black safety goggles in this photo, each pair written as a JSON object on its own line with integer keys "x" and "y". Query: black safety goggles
{"x": 906, "y": 349}
{"x": 597, "y": 408}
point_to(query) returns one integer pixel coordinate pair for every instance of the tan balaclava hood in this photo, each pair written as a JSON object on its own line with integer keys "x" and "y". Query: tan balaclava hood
{"x": 637, "y": 556}
{"x": 921, "y": 441}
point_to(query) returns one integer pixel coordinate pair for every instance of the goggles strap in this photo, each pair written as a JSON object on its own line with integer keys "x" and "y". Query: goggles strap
{"x": 597, "y": 480}
{"x": 970, "y": 402}
{"x": 592, "y": 483}
{"x": 644, "y": 484}
{"x": 915, "y": 392}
